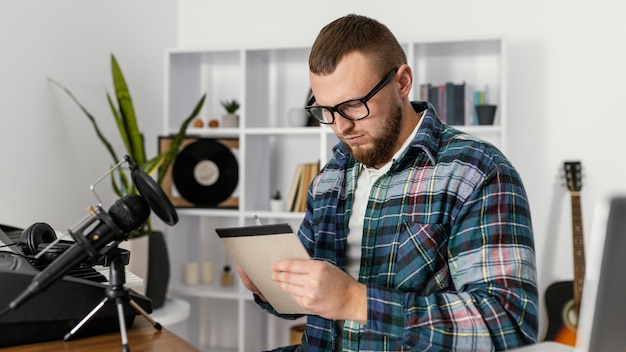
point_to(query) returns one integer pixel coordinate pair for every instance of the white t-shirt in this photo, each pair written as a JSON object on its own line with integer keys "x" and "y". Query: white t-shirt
{"x": 365, "y": 182}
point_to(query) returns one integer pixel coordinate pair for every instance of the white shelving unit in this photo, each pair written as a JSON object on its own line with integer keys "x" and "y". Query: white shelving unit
{"x": 268, "y": 83}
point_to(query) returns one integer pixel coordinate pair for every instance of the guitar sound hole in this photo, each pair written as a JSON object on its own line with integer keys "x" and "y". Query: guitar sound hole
{"x": 570, "y": 315}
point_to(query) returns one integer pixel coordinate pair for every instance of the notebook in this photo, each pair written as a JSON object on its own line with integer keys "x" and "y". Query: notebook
{"x": 256, "y": 248}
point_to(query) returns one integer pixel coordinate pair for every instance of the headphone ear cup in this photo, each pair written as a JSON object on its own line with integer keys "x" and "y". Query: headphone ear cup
{"x": 35, "y": 234}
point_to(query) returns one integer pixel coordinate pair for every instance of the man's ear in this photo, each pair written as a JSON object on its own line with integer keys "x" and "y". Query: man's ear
{"x": 405, "y": 80}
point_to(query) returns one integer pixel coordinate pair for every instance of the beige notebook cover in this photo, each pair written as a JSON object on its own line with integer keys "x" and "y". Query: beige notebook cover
{"x": 256, "y": 248}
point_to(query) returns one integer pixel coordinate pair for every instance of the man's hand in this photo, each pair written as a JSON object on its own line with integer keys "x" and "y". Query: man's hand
{"x": 245, "y": 280}
{"x": 322, "y": 288}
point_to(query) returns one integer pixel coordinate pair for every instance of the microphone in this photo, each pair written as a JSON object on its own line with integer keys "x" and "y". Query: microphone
{"x": 124, "y": 216}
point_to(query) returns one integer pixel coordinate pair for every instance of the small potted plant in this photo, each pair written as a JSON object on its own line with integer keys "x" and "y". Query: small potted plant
{"x": 230, "y": 119}
{"x": 276, "y": 202}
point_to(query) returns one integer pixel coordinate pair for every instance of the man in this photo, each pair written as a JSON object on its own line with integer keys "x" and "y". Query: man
{"x": 420, "y": 234}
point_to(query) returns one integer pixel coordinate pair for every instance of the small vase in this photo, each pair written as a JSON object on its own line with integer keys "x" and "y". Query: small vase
{"x": 298, "y": 117}
{"x": 277, "y": 205}
{"x": 486, "y": 114}
{"x": 230, "y": 120}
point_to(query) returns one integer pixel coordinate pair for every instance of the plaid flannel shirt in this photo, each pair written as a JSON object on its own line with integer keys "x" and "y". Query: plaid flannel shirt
{"x": 447, "y": 251}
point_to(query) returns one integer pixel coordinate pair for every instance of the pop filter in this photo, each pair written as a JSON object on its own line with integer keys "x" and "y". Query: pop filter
{"x": 153, "y": 194}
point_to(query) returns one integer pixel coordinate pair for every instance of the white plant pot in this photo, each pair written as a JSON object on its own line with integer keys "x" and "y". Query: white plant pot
{"x": 230, "y": 120}
{"x": 277, "y": 205}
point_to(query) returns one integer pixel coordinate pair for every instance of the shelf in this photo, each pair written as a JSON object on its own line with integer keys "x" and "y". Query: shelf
{"x": 283, "y": 215}
{"x": 213, "y": 290}
{"x": 227, "y": 213}
{"x": 260, "y": 131}
{"x": 220, "y": 132}
{"x": 230, "y": 213}
{"x": 278, "y": 131}
{"x": 236, "y": 132}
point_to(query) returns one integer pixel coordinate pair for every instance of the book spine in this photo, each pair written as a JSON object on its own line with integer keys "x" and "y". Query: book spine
{"x": 459, "y": 103}
{"x": 450, "y": 103}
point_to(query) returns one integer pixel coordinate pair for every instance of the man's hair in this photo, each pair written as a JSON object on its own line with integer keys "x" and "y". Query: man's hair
{"x": 355, "y": 33}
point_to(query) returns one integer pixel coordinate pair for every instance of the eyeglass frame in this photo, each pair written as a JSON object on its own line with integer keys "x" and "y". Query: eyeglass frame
{"x": 364, "y": 99}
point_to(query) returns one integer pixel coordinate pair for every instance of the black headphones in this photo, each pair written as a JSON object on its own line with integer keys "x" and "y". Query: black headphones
{"x": 36, "y": 237}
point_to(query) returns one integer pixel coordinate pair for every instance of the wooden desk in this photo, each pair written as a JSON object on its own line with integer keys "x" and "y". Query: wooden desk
{"x": 141, "y": 337}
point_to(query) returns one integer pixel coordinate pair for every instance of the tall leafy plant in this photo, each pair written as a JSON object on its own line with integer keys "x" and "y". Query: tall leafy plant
{"x": 124, "y": 116}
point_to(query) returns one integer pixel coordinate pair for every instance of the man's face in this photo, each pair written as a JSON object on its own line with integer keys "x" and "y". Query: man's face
{"x": 372, "y": 140}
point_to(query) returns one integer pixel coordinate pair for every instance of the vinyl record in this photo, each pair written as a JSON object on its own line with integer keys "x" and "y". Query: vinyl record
{"x": 205, "y": 172}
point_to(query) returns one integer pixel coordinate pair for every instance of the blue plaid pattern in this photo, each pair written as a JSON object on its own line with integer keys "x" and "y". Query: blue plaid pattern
{"x": 447, "y": 253}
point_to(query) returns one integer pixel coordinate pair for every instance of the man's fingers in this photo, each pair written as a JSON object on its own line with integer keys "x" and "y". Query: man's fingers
{"x": 301, "y": 266}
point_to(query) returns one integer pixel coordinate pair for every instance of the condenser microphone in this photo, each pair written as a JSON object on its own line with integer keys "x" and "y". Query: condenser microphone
{"x": 92, "y": 238}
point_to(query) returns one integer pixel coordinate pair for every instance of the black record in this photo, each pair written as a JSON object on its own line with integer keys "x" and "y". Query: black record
{"x": 205, "y": 172}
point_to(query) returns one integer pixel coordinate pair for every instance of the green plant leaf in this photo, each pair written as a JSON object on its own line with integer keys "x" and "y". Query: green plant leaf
{"x": 127, "y": 115}
{"x": 231, "y": 106}
{"x": 123, "y": 186}
{"x": 101, "y": 136}
{"x": 120, "y": 126}
{"x": 119, "y": 190}
{"x": 171, "y": 153}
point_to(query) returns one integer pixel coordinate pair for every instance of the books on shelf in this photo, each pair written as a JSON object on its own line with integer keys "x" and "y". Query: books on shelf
{"x": 303, "y": 177}
{"x": 454, "y": 102}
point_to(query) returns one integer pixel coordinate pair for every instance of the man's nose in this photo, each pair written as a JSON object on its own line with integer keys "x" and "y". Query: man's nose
{"x": 342, "y": 124}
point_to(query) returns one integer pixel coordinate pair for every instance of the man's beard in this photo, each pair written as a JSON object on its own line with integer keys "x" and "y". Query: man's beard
{"x": 383, "y": 144}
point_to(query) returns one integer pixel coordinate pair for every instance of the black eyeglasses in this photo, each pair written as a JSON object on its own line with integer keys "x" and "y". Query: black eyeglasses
{"x": 353, "y": 109}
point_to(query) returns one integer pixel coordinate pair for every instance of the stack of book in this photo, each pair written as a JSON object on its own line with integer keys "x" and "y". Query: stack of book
{"x": 302, "y": 179}
{"x": 453, "y": 102}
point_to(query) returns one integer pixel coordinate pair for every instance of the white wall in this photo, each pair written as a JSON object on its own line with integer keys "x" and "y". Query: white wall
{"x": 48, "y": 150}
{"x": 565, "y": 83}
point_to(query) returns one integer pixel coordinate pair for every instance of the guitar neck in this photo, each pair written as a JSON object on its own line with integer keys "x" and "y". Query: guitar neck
{"x": 579, "y": 249}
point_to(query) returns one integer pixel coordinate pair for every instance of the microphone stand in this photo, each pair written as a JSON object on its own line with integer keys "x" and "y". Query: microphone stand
{"x": 117, "y": 293}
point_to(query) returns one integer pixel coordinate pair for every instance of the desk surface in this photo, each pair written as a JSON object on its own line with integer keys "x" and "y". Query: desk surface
{"x": 141, "y": 337}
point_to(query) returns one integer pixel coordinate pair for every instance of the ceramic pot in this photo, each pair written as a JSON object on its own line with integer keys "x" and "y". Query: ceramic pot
{"x": 158, "y": 275}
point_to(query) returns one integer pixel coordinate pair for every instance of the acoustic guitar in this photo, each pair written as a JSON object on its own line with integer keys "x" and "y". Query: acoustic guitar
{"x": 563, "y": 298}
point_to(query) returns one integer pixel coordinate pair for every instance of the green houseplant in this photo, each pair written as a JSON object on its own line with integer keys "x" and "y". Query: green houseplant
{"x": 276, "y": 202}
{"x": 230, "y": 119}
{"x": 123, "y": 113}
{"x": 231, "y": 106}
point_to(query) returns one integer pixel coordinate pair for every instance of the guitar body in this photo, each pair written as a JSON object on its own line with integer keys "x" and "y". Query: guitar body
{"x": 562, "y": 315}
